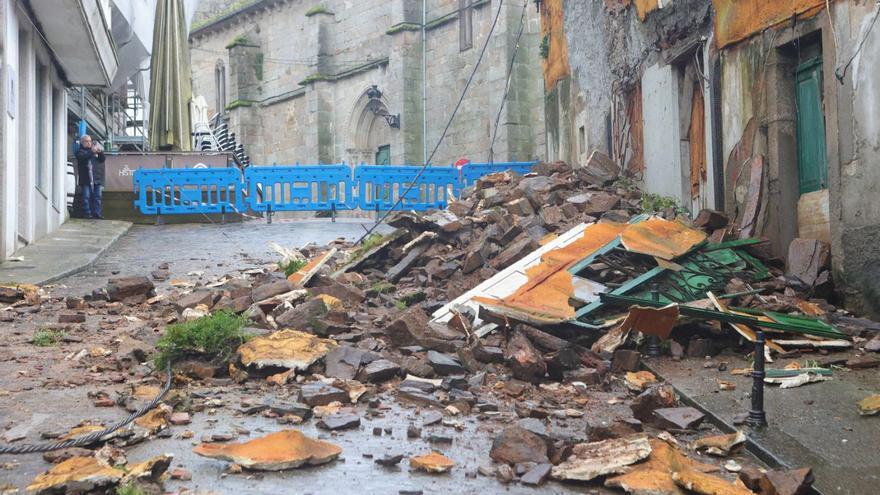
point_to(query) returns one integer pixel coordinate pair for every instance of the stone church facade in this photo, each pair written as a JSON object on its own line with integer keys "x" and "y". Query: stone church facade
{"x": 297, "y": 79}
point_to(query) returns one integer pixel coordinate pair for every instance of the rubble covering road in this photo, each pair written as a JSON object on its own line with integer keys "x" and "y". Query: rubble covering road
{"x": 523, "y": 306}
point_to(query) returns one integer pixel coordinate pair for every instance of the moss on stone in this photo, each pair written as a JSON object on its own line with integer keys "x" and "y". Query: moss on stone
{"x": 318, "y": 9}
{"x": 314, "y": 78}
{"x": 238, "y": 40}
{"x": 403, "y": 26}
{"x": 240, "y": 103}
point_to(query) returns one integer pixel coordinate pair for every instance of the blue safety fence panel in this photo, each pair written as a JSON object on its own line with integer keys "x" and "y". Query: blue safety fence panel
{"x": 169, "y": 191}
{"x": 300, "y": 188}
{"x": 380, "y": 186}
{"x": 471, "y": 172}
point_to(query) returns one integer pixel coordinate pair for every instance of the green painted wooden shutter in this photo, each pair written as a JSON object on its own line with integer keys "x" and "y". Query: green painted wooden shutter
{"x": 812, "y": 159}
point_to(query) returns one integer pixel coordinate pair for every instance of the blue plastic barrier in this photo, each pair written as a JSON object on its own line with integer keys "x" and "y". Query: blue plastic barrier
{"x": 300, "y": 188}
{"x": 379, "y": 187}
{"x": 177, "y": 191}
{"x": 471, "y": 172}
{"x": 305, "y": 187}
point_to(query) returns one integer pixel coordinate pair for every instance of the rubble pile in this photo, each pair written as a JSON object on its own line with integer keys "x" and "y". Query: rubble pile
{"x": 525, "y": 305}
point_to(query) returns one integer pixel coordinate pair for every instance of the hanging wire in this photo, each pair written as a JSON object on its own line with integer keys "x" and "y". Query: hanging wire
{"x": 522, "y": 25}
{"x": 445, "y": 129}
{"x": 839, "y": 73}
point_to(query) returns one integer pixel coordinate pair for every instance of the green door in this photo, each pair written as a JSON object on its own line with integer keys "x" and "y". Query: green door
{"x": 383, "y": 156}
{"x": 812, "y": 160}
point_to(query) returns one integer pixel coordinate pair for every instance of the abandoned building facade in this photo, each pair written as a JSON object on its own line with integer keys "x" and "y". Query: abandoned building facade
{"x": 339, "y": 81}
{"x": 772, "y": 104}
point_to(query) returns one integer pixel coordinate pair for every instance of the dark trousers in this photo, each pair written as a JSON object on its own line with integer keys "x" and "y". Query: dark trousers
{"x": 91, "y": 195}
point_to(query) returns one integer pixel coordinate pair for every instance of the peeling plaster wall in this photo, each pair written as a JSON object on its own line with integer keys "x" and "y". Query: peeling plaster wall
{"x": 859, "y": 207}
{"x": 609, "y": 48}
{"x": 753, "y": 124}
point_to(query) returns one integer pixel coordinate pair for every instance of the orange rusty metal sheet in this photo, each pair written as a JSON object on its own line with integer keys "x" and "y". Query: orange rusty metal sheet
{"x": 736, "y": 20}
{"x": 545, "y": 297}
{"x": 556, "y": 64}
{"x": 661, "y": 238}
{"x": 645, "y": 7}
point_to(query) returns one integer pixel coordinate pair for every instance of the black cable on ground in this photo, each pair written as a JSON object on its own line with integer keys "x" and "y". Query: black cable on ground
{"x": 445, "y": 129}
{"x": 92, "y": 437}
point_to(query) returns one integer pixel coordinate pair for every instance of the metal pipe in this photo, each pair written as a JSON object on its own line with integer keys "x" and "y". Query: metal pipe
{"x": 653, "y": 340}
{"x": 757, "y": 416}
{"x": 425, "y": 82}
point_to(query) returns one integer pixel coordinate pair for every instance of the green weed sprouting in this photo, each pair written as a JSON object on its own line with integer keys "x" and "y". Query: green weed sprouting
{"x": 215, "y": 337}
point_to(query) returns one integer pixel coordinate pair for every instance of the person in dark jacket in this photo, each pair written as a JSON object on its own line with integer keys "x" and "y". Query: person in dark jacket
{"x": 90, "y": 173}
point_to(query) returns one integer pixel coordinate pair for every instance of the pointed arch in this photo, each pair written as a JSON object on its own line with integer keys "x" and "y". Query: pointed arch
{"x": 366, "y": 130}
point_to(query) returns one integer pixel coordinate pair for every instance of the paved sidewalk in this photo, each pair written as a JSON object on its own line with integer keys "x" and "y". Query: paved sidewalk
{"x": 816, "y": 425}
{"x": 68, "y": 250}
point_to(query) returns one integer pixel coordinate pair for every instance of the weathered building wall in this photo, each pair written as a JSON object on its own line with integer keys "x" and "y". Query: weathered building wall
{"x": 317, "y": 62}
{"x": 611, "y": 108}
{"x": 760, "y": 119}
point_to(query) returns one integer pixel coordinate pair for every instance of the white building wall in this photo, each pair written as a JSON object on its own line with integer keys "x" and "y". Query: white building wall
{"x": 663, "y": 167}
{"x": 30, "y": 210}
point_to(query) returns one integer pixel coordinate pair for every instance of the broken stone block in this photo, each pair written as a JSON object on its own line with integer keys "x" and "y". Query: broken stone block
{"x": 700, "y": 348}
{"x": 516, "y": 444}
{"x": 339, "y": 421}
{"x": 520, "y": 207}
{"x": 320, "y": 394}
{"x": 271, "y": 289}
{"x": 434, "y": 463}
{"x": 489, "y": 354}
{"x": 807, "y": 258}
{"x": 179, "y": 418}
{"x": 380, "y": 371}
{"x": 286, "y": 349}
{"x": 310, "y": 315}
{"x": 699, "y": 482}
{"x": 389, "y": 460}
{"x": 193, "y": 299}
{"x": 591, "y": 460}
{"x": 56, "y": 456}
{"x": 525, "y": 361}
{"x": 71, "y": 318}
{"x": 594, "y": 202}
{"x": 710, "y": 220}
{"x": 343, "y": 362}
{"x": 413, "y": 328}
{"x": 605, "y": 429}
{"x": 443, "y": 364}
{"x": 657, "y": 397}
{"x": 514, "y": 252}
{"x": 290, "y": 409}
{"x": 625, "y": 360}
{"x": 537, "y": 475}
{"x": 130, "y": 288}
{"x": 790, "y": 482}
{"x": 396, "y": 272}
{"x": 682, "y": 418}
{"x": 286, "y": 449}
{"x": 600, "y": 169}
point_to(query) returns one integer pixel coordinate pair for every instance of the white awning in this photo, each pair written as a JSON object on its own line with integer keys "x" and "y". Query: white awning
{"x": 78, "y": 33}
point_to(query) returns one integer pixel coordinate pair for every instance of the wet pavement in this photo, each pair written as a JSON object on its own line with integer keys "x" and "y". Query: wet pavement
{"x": 43, "y": 388}
{"x": 816, "y": 425}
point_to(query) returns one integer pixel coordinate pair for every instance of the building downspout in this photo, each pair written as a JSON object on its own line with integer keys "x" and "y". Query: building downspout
{"x": 717, "y": 138}
{"x": 424, "y": 81}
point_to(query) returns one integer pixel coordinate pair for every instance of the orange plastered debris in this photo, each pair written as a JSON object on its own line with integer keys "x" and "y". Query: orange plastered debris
{"x": 274, "y": 452}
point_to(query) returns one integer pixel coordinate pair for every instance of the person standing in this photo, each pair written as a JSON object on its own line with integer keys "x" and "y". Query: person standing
{"x": 90, "y": 173}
